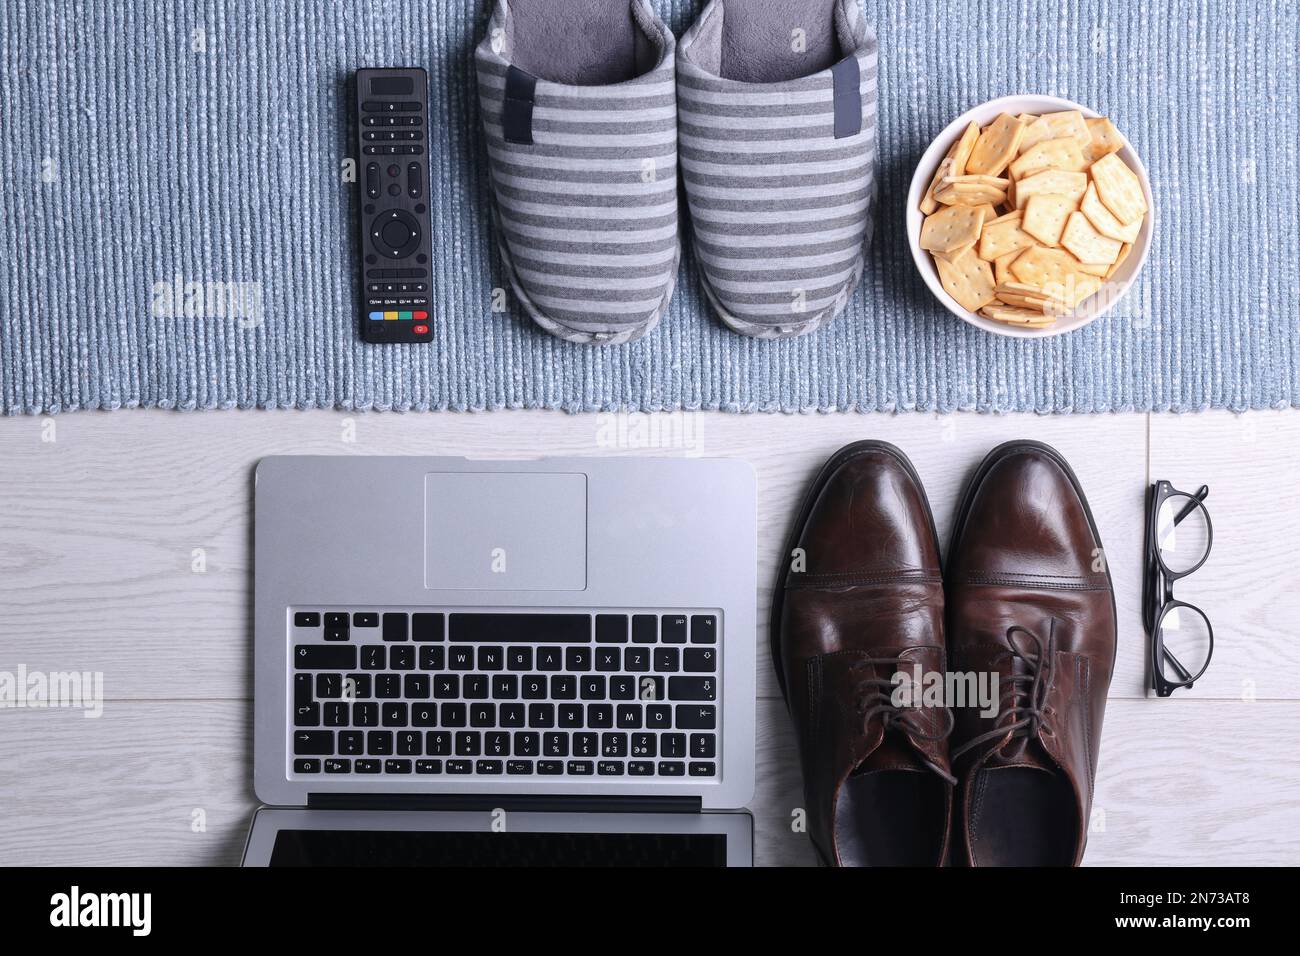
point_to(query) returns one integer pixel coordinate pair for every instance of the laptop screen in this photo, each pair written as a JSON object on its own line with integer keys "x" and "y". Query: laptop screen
{"x": 467, "y": 848}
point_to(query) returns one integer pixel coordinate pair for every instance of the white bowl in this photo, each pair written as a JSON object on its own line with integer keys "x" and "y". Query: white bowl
{"x": 1096, "y": 305}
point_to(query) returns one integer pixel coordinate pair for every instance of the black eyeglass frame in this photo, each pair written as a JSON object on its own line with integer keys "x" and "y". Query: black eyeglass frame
{"x": 1158, "y": 587}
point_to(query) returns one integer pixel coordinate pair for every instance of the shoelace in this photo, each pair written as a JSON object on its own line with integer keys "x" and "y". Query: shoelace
{"x": 1023, "y": 700}
{"x": 874, "y": 699}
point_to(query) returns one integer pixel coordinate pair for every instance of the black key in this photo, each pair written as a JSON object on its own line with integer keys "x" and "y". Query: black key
{"x": 613, "y": 745}
{"x": 564, "y": 687}
{"x": 672, "y": 768}
{"x": 469, "y": 743}
{"x": 336, "y": 619}
{"x": 365, "y": 715}
{"x": 585, "y": 745}
{"x": 600, "y": 715}
{"x": 622, "y": 688}
{"x": 691, "y": 717}
{"x": 645, "y": 629}
{"x": 302, "y": 690}
{"x": 534, "y": 687}
{"x": 549, "y": 658}
{"x": 607, "y": 659}
{"x": 446, "y": 686}
{"x": 329, "y": 686}
{"x": 321, "y": 657}
{"x": 402, "y": 658}
{"x": 704, "y": 746}
{"x": 428, "y": 766}
{"x": 379, "y": 743}
{"x": 541, "y": 715}
{"x": 453, "y": 715}
{"x": 397, "y": 765}
{"x": 491, "y": 658}
{"x": 374, "y": 657}
{"x": 505, "y": 687}
{"x": 550, "y": 768}
{"x": 702, "y": 770}
{"x": 356, "y": 686}
{"x": 410, "y": 743}
{"x": 388, "y": 686}
{"x": 462, "y": 658}
{"x": 433, "y": 658}
{"x": 674, "y": 745}
{"x": 521, "y": 628}
{"x": 667, "y": 659}
{"x": 337, "y": 714}
{"x": 637, "y": 659}
{"x": 351, "y": 742}
{"x": 306, "y": 619}
{"x": 475, "y": 687}
{"x": 692, "y": 688}
{"x": 424, "y": 715}
{"x": 437, "y": 743}
{"x": 611, "y": 628}
{"x": 519, "y": 658}
{"x": 395, "y": 714}
{"x": 306, "y": 766}
{"x": 365, "y": 619}
{"x": 367, "y": 766}
{"x": 556, "y": 745}
{"x": 460, "y": 766}
{"x": 511, "y": 715}
{"x": 593, "y": 687}
{"x": 527, "y": 744}
{"x": 644, "y": 745}
{"x": 483, "y": 715}
{"x": 487, "y": 767}
{"x": 628, "y": 716}
{"x": 496, "y": 744}
{"x": 610, "y": 768}
{"x": 640, "y": 768}
{"x": 659, "y": 717}
{"x": 571, "y": 716}
{"x": 395, "y": 626}
{"x": 335, "y": 765}
{"x": 650, "y": 688}
{"x": 673, "y": 629}
{"x": 308, "y": 742}
{"x": 417, "y": 686}
{"x": 700, "y": 660}
{"x": 704, "y": 629}
{"x": 427, "y": 627}
{"x": 579, "y": 768}
{"x": 519, "y": 767}
{"x": 577, "y": 658}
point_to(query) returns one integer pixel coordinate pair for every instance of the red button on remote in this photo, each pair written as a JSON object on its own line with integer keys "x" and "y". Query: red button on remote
{"x": 420, "y": 316}
{"x": 421, "y": 330}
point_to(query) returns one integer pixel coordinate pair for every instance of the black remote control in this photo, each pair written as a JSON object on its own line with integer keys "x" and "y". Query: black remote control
{"x": 393, "y": 178}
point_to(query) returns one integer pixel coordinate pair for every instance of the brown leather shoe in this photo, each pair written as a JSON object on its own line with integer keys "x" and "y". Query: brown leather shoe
{"x": 858, "y": 597}
{"x": 1029, "y": 597}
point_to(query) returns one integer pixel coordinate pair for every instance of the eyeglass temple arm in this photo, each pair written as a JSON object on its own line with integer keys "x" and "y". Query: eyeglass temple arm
{"x": 1200, "y": 495}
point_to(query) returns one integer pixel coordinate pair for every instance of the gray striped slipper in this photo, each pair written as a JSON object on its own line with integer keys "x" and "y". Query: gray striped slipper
{"x": 777, "y": 108}
{"x": 580, "y": 112}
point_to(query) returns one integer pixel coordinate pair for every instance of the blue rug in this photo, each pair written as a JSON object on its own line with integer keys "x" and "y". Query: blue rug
{"x": 147, "y": 146}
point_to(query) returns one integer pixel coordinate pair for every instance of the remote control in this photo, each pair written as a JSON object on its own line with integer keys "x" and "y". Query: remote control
{"x": 393, "y": 181}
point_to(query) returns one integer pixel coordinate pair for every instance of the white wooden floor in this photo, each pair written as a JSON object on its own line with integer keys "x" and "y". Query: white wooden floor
{"x": 102, "y": 516}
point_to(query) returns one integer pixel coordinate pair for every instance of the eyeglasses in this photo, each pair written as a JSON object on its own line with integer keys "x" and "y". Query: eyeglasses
{"x": 1178, "y": 540}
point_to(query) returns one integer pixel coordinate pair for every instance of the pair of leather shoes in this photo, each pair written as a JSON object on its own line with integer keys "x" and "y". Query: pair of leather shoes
{"x": 863, "y": 611}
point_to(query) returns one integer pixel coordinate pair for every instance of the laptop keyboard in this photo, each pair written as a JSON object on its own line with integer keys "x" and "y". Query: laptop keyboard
{"x": 490, "y": 694}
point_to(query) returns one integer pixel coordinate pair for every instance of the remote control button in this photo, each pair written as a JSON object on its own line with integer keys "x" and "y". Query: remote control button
{"x": 413, "y": 188}
{"x": 394, "y": 189}
{"x": 421, "y": 330}
{"x": 396, "y": 233}
{"x": 376, "y": 316}
{"x": 369, "y": 106}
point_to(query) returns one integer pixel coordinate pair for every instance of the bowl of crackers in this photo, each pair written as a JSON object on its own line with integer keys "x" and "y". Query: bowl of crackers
{"x": 1030, "y": 216}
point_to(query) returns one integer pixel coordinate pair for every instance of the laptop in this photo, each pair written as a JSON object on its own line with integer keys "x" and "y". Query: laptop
{"x": 463, "y": 662}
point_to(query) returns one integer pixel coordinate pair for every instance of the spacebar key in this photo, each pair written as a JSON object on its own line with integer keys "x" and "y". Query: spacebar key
{"x": 521, "y": 628}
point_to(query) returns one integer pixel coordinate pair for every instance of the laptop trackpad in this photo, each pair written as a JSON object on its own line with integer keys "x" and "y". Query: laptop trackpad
{"x": 505, "y": 532}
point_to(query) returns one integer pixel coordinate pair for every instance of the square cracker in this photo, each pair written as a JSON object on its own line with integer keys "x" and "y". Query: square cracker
{"x": 954, "y": 253}
{"x": 961, "y": 150}
{"x": 1086, "y": 244}
{"x": 1037, "y": 131}
{"x": 1119, "y": 188}
{"x": 968, "y": 279}
{"x": 1104, "y": 221}
{"x": 951, "y": 228}
{"x": 966, "y": 194}
{"x": 1002, "y": 266}
{"x": 1061, "y": 181}
{"x": 929, "y": 204}
{"x": 1123, "y": 254}
{"x": 996, "y": 146}
{"x": 1045, "y": 216}
{"x": 1101, "y": 269}
{"x": 1009, "y": 315}
{"x": 1105, "y": 138}
{"x": 1071, "y": 123}
{"x": 1062, "y": 153}
{"x": 1041, "y": 266}
{"x": 1003, "y": 236}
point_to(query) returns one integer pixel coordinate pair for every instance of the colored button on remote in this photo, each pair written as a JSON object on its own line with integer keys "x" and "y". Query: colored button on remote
{"x": 377, "y": 316}
{"x": 421, "y": 316}
{"x": 421, "y": 330}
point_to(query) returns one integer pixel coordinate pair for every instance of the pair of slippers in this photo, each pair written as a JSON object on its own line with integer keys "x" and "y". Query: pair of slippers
{"x": 767, "y": 111}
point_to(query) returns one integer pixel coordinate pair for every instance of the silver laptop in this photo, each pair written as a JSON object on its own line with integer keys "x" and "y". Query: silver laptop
{"x": 504, "y": 662}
